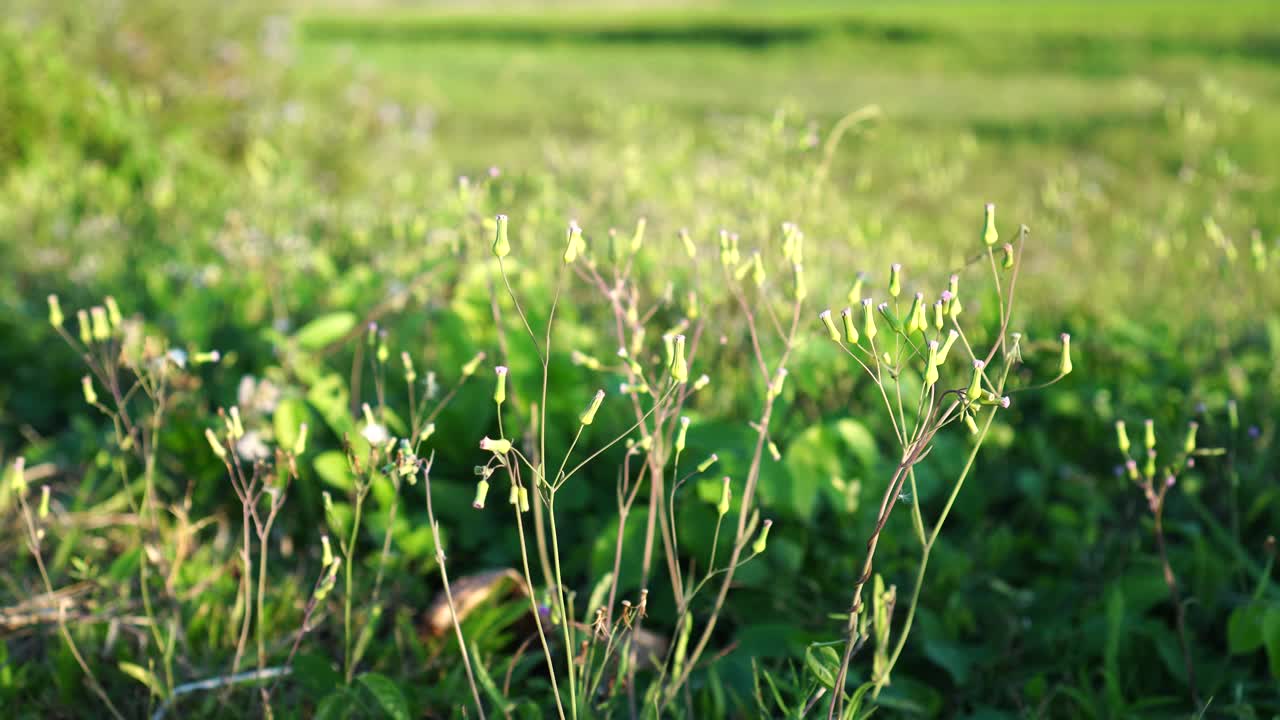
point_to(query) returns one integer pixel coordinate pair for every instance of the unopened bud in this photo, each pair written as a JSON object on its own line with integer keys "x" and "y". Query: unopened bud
{"x": 19, "y": 477}
{"x": 482, "y": 492}
{"x": 86, "y": 332}
{"x": 90, "y": 395}
{"x": 801, "y": 290}
{"x": 989, "y": 234}
{"x": 300, "y": 443}
{"x": 711, "y": 460}
{"x": 101, "y": 327}
{"x": 825, "y": 316}
{"x": 523, "y": 499}
{"x": 895, "y": 279}
{"x": 975, "y": 381}
{"x": 679, "y": 366}
{"x": 946, "y": 346}
{"x": 500, "y": 389}
{"x": 894, "y": 323}
{"x": 43, "y": 512}
{"x": 1189, "y": 445}
{"x": 497, "y": 447}
{"x": 690, "y": 249}
{"x": 681, "y": 434}
{"x": 56, "y": 317}
{"x": 637, "y": 239}
{"x": 868, "y": 320}
{"x": 575, "y": 245}
{"x": 501, "y": 245}
{"x": 472, "y": 365}
{"x": 427, "y": 432}
{"x": 702, "y": 381}
{"x": 779, "y": 379}
{"x": 939, "y": 316}
{"x": 1064, "y": 365}
{"x": 850, "y": 332}
{"x": 113, "y": 313}
{"x": 774, "y": 452}
{"x": 218, "y": 448}
{"x": 855, "y": 293}
{"x": 237, "y": 427}
{"x": 915, "y": 318}
{"x": 589, "y": 415}
{"x": 1149, "y": 433}
{"x": 726, "y": 496}
{"x": 326, "y": 553}
{"x": 1122, "y": 437}
{"x": 1008, "y": 257}
{"x": 970, "y": 423}
{"x": 762, "y": 539}
{"x": 410, "y": 375}
{"x": 931, "y": 365}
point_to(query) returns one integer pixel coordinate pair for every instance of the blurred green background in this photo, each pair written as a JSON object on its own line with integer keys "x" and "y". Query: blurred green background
{"x": 233, "y": 171}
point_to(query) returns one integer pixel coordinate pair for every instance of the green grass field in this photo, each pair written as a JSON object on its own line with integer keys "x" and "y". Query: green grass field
{"x": 265, "y": 270}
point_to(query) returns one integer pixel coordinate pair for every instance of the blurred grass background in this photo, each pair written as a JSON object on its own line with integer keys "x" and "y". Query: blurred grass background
{"x": 234, "y": 171}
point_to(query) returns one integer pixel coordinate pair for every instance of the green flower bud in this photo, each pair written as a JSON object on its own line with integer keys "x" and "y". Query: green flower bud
{"x": 1149, "y": 433}
{"x": 726, "y": 496}
{"x": 410, "y": 375}
{"x": 497, "y": 447}
{"x": 427, "y": 432}
{"x": 589, "y": 415}
{"x": 946, "y": 346}
{"x": 300, "y": 443}
{"x": 868, "y": 320}
{"x": 218, "y": 448}
{"x": 825, "y": 316}
{"x": 989, "y": 234}
{"x": 931, "y": 365}
{"x": 575, "y": 246}
{"x": 43, "y": 512}
{"x": 1189, "y": 445}
{"x": 101, "y": 327}
{"x": 701, "y": 382}
{"x": 523, "y": 499}
{"x": 513, "y": 496}
{"x": 681, "y": 434}
{"x": 975, "y": 382}
{"x": 938, "y": 315}
{"x": 763, "y": 538}
{"x": 472, "y": 365}
{"x": 895, "y": 279}
{"x": 970, "y": 423}
{"x": 1007, "y": 263}
{"x": 1064, "y": 365}
{"x": 637, "y": 239}
{"x": 113, "y": 313}
{"x": 19, "y": 476}
{"x": 855, "y": 294}
{"x": 1150, "y": 469}
{"x": 774, "y": 452}
{"x": 500, "y": 388}
{"x": 691, "y": 306}
{"x": 801, "y": 290}
{"x": 86, "y": 333}
{"x": 894, "y": 323}
{"x": 326, "y": 553}
{"x": 482, "y": 492}
{"x": 55, "y": 312}
{"x": 90, "y": 395}
{"x": 850, "y": 332}
{"x": 501, "y": 245}
{"x": 237, "y": 427}
{"x": 915, "y": 319}
{"x": 711, "y": 460}
{"x": 757, "y": 270}
{"x": 1122, "y": 437}
{"x": 206, "y": 358}
{"x": 679, "y": 366}
{"x": 690, "y": 249}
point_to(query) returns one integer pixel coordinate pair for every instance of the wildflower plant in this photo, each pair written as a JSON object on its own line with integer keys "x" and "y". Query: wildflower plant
{"x": 932, "y": 376}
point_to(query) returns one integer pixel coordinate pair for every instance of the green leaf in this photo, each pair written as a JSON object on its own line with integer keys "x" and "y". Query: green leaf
{"x": 288, "y": 417}
{"x": 325, "y": 330}
{"x": 823, "y": 663}
{"x": 388, "y": 695}
{"x": 332, "y": 467}
{"x": 1244, "y": 629}
{"x": 1271, "y": 638}
{"x": 337, "y": 705}
{"x": 144, "y": 676}
{"x": 315, "y": 673}
{"x": 831, "y": 459}
{"x": 486, "y": 681}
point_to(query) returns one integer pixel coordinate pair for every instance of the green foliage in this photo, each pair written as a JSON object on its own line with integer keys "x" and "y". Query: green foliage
{"x": 268, "y": 186}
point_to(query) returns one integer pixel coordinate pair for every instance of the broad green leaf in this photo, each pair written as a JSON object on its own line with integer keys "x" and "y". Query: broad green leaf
{"x": 332, "y": 467}
{"x": 288, "y": 417}
{"x": 388, "y": 695}
{"x": 325, "y": 330}
{"x": 1271, "y": 638}
{"x": 1244, "y": 629}
{"x": 337, "y": 705}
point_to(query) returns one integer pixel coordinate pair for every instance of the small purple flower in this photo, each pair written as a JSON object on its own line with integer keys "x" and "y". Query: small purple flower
{"x": 1255, "y": 432}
